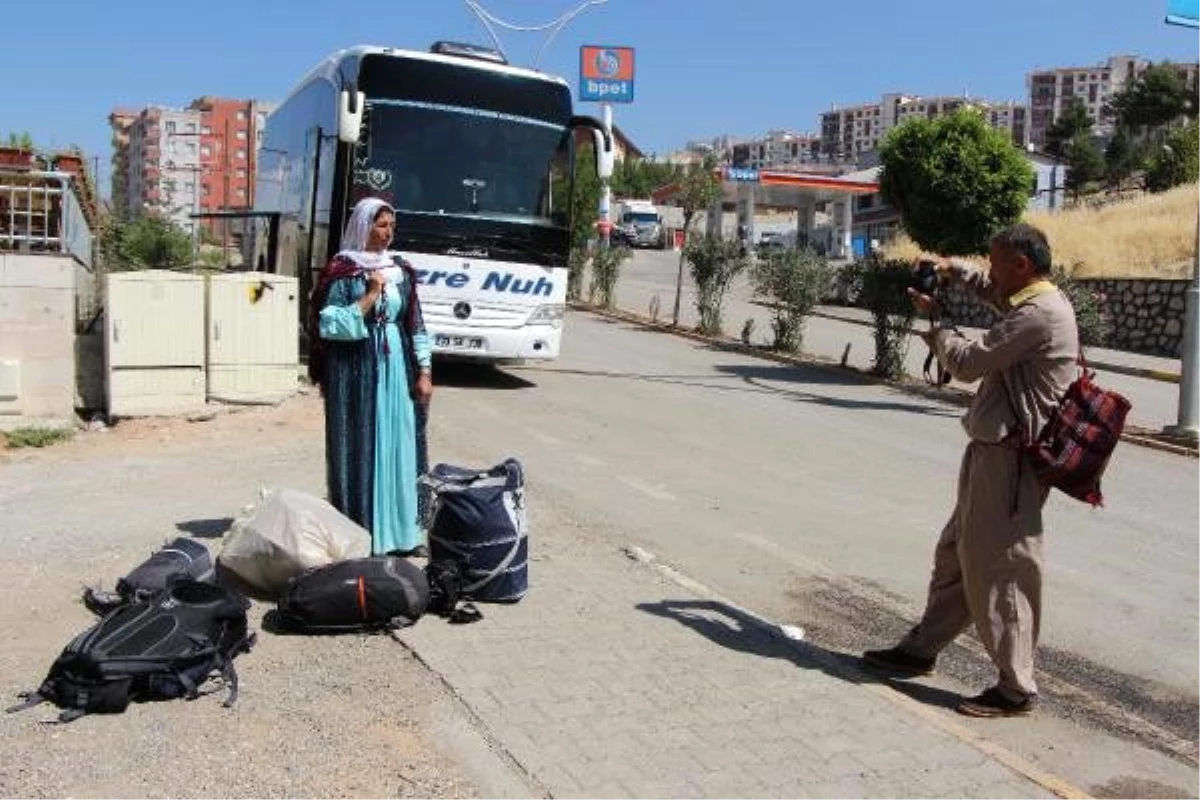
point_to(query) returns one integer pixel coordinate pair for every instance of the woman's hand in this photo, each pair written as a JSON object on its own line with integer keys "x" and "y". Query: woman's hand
{"x": 423, "y": 390}
{"x": 375, "y": 283}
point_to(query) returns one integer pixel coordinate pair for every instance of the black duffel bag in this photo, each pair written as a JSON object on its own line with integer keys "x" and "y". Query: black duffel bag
{"x": 359, "y": 594}
{"x": 180, "y": 559}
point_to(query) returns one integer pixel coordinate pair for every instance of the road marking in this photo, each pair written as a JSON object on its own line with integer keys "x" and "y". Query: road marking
{"x": 1047, "y": 780}
{"x": 645, "y": 488}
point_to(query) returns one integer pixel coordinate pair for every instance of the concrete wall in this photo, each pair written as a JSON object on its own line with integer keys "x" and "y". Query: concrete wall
{"x": 37, "y": 341}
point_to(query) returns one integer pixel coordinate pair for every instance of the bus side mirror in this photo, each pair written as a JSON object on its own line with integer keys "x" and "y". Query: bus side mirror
{"x": 605, "y": 152}
{"x": 350, "y": 113}
{"x": 604, "y": 156}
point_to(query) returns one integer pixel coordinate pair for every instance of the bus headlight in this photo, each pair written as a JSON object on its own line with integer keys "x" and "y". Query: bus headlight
{"x": 551, "y": 314}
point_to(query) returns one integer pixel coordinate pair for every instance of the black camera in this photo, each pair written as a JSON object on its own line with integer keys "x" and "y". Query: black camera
{"x": 925, "y": 278}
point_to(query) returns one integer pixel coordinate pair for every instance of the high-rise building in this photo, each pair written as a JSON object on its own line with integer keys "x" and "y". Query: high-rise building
{"x": 778, "y": 150}
{"x": 1051, "y": 91}
{"x": 848, "y": 133}
{"x": 121, "y": 121}
{"x": 180, "y": 162}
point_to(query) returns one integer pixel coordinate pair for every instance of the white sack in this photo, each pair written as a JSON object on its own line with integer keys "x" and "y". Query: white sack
{"x": 286, "y": 533}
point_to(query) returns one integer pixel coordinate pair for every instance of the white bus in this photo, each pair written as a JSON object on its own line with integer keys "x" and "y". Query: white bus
{"x": 476, "y": 156}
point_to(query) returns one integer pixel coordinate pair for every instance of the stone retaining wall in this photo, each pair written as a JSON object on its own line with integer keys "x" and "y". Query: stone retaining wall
{"x": 1147, "y": 314}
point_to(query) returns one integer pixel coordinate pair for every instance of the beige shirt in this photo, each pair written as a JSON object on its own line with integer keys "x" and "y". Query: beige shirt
{"x": 1025, "y": 362}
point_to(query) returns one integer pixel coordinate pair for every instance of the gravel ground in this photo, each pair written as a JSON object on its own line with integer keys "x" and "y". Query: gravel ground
{"x": 348, "y": 716}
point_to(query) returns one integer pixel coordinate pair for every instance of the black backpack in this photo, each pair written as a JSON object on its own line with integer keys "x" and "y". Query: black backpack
{"x": 181, "y": 558}
{"x": 358, "y": 594}
{"x": 157, "y": 649}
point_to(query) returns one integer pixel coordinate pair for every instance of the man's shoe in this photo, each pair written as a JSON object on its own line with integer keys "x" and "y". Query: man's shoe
{"x": 994, "y": 703}
{"x": 899, "y": 662}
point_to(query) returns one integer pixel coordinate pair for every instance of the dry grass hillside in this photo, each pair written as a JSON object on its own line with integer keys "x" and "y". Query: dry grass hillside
{"x": 1152, "y": 236}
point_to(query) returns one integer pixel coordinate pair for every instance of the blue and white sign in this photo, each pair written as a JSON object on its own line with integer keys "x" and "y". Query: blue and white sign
{"x": 741, "y": 174}
{"x": 1183, "y": 12}
{"x": 606, "y": 74}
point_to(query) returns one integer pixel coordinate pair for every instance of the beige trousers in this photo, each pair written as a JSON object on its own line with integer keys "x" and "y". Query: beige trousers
{"x": 987, "y": 567}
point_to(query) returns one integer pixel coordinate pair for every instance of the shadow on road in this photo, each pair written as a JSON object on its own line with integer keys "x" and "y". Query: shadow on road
{"x": 205, "y": 528}
{"x": 757, "y": 375}
{"x": 733, "y": 629}
{"x": 754, "y": 380}
{"x": 466, "y": 375}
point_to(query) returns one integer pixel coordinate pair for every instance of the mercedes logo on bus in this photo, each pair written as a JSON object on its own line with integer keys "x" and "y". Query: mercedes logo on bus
{"x": 462, "y": 310}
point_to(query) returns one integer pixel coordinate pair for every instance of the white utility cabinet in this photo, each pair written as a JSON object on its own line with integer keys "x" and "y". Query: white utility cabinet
{"x": 252, "y": 337}
{"x": 154, "y": 343}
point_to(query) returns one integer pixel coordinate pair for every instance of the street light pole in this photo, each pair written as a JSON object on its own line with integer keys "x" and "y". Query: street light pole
{"x": 1189, "y": 394}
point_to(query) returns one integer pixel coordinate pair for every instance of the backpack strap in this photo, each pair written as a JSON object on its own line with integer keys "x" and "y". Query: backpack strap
{"x": 28, "y": 700}
{"x": 228, "y": 672}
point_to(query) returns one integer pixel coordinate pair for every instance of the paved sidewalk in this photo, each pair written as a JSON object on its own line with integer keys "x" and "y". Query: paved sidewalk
{"x": 610, "y": 679}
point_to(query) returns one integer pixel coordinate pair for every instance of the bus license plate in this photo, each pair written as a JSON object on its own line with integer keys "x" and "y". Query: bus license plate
{"x": 458, "y": 342}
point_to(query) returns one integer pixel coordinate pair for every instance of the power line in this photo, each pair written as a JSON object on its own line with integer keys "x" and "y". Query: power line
{"x": 556, "y": 25}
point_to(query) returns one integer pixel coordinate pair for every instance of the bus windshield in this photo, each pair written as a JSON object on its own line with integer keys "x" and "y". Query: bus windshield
{"x": 446, "y": 160}
{"x": 646, "y": 217}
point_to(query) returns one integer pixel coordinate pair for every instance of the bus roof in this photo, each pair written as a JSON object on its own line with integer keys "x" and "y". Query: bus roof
{"x": 330, "y": 66}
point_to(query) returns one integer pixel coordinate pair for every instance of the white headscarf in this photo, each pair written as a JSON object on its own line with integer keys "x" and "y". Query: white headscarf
{"x": 354, "y": 239}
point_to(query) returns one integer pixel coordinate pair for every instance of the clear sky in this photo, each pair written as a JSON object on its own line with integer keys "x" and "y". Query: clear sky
{"x": 703, "y": 68}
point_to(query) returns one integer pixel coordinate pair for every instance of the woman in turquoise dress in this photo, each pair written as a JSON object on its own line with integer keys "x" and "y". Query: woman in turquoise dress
{"x": 370, "y": 355}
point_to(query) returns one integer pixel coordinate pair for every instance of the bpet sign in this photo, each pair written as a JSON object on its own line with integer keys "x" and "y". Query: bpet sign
{"x": 606, "y": 74}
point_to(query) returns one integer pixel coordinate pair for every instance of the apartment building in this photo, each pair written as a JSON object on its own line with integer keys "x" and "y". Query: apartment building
{"x": 778, "y": 150}
{"x": 158, "y": 176}
{"x": 847, "y": 133}
{"x": 1051, "y": 91}
{"x": 183, "y": 161}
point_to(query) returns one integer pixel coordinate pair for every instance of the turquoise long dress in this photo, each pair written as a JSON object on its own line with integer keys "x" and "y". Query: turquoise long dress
{"x": 370, "y": 431}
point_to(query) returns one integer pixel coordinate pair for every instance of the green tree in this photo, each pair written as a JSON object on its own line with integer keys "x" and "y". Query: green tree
{"x": 638, "y": 178}
{"x": 1068, "y": 127}
{"x": 148, "y": 242}
{"x": 606, "y": 269}
{"x": 880, "y": 286}
{"x": 1085, "y": 163}
{"x": 1121, "y": 158}
{"x": 1177, "y": 161}
{"x": 955, "y": 181}
{"x": 585, "y": 204}
{"x": 796, "y": 280}
{"x": 1158, "y": 98}
{"x": 20, "y": 140}
{"x": 715, "y": 262}
{"x": 699, "y": 188}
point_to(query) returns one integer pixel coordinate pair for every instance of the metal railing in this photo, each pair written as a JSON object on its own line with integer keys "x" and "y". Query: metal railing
{"x": 40, "y": 214}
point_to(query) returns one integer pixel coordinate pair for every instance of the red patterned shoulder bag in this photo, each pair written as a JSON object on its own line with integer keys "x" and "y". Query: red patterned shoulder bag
{"x": 1073, "y": 448}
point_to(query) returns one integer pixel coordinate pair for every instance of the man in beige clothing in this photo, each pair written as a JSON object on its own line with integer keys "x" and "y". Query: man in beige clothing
{"x": 987, "y": 566}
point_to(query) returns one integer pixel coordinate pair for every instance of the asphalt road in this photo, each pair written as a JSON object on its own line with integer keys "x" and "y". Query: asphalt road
{"x": 814, "y": 499}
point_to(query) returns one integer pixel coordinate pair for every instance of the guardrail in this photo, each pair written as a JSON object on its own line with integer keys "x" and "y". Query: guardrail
{"x": 40, "y": 213}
